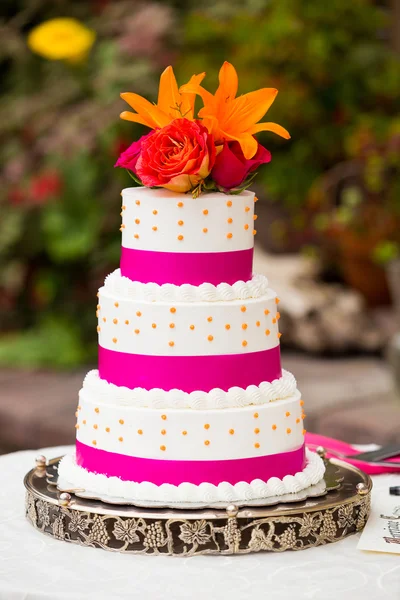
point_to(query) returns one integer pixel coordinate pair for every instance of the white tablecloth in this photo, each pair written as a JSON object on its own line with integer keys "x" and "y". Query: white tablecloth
{"x": 36, "y": 567}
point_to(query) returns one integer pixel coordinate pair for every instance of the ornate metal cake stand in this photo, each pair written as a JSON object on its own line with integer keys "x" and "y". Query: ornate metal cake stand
{"x": 341, "y": 510}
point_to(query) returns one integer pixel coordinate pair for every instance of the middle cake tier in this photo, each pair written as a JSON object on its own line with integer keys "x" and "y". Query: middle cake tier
{"x": 188, "y": 338}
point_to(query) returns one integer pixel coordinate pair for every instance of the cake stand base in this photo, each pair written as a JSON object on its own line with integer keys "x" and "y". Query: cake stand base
{"x": 176, "y": 532}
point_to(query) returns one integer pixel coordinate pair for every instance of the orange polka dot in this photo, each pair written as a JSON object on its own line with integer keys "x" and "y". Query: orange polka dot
{"x": 209, "y": 319}
{"x": 140, "y": 431}
{"x": 171, "y": 344}
{"x": 123, "y": 207}
{"x": 229, "y": 236}
{"x": 304, "y": 431}
{"x": 76, "y": 414}
{"x": 230, "y": 220}
{"x": 136, "y": 236}
{"x": 205, "y": 230}
{"x": 116, "y": 304}
{"x": 205, "y": 212}
{"x": 184, "y": 432}
{"x": 207, "y": 443}
{"x": 172, "y": 310}
{"x": 267, "y": 332}
{"x": 279, "y": 335}
{"x": 104, "y": 319}
{"x": 258, "y": 323}
{"x": 137, "y": 221}
{"x": 115, "y": 321}
{"x": 256, "y": 445}
{"x": 97, "y": 313}
{"x": 247, "y": 209}
{"x": 172, "y": 325}
{"x": 288, "y": 430}
{"x": 164, "y": 417}
{"x": 206, "y": 426}
{"x": 98, "y": 328}
{"x": 180, "y": 204}
{"x": 301, "y": 402}
{"x": 180, "y": 223}
{"x": 297, "y": 420}
{"x": 277, "y": 300}
{"x": 266, "y": 312}
{"x": 155, "y": 212}
{"x": 107, "y": 429}
{"x": 98, "y": 307}
{"x": 76, "y": 426}
{"x": 287, "y": 414}
{"x": 154, "y": 228}
{"x": 254, "y": 231}
{"x": 137, "y": 202}
{"x": 231, "y": 431}
{"x": 274, "y": 321}
{"x": 191, "y": 327}
{"x": 273, "y": 427}
{"x": 95, "y": 426}
{"x": 244, "y": 343}
{"x": 122, "y": 227}
{"x": 256, "y": 430}
{"x": 303, "y": 416}
{"x": 278, "y": 316}
{"x": 120, "y": 439}
{"x": 97, "y": 410}
{"x": 246, "y": 227}
{"x": 154, "y": 325}
{"x": 255, "y": 199}
{"x": 163, "y": 432}
{"x": 84, "y": 421}
{"x": 244, "y": 325}
{"x": 94, "y": 443}
{"x": 227, "y": 326}
{"x": 115, "y": 340}
{"x": 137, "y": 331}
{"x": 255, "y": 415}
{"x": 126, "y": 322}
{"x": 138, "y": 313}
{"x": 229, "y": 203}
{"x": 243, "y": 308}
{"x": 121, "y": 421}
{"x": 255, "y": 217}
{"x": 210, "y": 338}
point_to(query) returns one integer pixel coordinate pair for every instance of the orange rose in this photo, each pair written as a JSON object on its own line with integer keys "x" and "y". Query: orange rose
{"x": 178, "y": 156}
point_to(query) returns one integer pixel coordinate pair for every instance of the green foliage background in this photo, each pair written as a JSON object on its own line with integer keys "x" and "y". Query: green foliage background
{"x": 331, "y": 62}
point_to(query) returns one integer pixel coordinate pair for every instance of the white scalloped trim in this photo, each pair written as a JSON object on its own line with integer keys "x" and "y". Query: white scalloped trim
{"x": 266, "y": 392}
{"x": 256, "y": 287}
{"x": 101, "y": 485}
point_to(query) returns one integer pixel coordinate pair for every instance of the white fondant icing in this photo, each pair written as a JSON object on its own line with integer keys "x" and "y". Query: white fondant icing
{"x": 123, "y": 287}
{"x": 153, "y": 433}
{"x": 108, "y": 393}
{"x": 187, "y": 492}
{"x": 219, "y": 214}
{"x": 168, "y": 328}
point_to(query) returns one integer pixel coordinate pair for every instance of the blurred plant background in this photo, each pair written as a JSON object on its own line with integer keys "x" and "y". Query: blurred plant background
{"x": 334, "y": 188}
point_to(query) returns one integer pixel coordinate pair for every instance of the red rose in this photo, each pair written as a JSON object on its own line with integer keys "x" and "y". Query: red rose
{"x": 177, "y": 157}
{"x": 231, "y": 167}
{"x": 129, "y": 157}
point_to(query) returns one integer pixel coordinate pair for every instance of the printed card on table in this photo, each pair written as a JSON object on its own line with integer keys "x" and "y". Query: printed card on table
{"x": 382, "y": 532}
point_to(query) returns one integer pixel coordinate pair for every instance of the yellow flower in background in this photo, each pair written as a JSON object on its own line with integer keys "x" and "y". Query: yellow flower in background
{"x": 61, "y": 39}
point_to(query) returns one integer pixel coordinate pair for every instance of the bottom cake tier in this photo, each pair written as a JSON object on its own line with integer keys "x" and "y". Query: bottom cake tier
{"x": 133, "y": 444}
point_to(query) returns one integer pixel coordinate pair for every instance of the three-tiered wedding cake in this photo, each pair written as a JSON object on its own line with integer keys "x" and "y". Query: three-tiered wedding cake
{"x": 190, "y": 402}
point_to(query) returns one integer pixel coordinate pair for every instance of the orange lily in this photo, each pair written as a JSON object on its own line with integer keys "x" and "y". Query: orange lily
{"x": 171, "y": 103}
{"x": 231, "y": 118}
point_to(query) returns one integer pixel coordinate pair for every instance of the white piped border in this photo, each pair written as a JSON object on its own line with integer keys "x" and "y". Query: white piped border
{"x": 69, "y": 473}
{"x": 108, "y": 393}
{"x": 117, "y": 284}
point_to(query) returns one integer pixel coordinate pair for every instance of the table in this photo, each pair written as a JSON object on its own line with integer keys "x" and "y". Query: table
{"x": 36, "y": 567}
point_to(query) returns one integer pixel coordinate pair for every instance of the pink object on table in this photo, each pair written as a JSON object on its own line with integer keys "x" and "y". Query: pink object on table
{"x": 175, "y": 472}
{"x": 189, "y": 373}
{"x": 313, "y": 440}
{"x": 195, "y": 268}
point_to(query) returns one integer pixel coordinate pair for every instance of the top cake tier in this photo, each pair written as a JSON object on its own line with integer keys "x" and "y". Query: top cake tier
{"x": 174, "y": 238}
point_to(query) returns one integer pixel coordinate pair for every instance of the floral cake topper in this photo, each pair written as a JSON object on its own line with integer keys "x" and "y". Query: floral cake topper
{"x": 216, "y": 151}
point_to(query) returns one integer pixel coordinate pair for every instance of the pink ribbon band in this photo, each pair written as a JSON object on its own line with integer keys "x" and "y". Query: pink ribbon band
{"x": 175, "y": 472}
{"x": 189, "y": 373}
{"x": 147, "y": 266}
